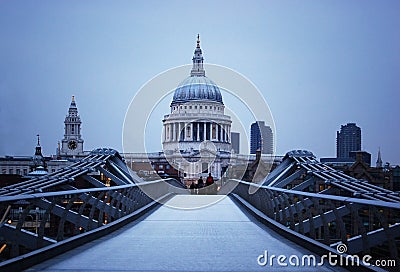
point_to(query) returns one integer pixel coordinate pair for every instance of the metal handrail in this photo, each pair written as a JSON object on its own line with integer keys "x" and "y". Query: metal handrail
{"x": 380, "y": 203}
{"x": 76, "y": 191}
{"x": 364, "y": 226}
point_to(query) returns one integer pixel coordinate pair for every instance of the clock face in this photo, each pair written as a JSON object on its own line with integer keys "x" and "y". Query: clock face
{"x": 72, "y": 145}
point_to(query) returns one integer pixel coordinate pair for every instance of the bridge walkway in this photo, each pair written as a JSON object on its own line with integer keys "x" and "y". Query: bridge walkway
{"x": 219, "y": 237}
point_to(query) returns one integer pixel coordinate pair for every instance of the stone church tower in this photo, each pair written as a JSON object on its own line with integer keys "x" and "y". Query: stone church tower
{"x": 72, "y": 144}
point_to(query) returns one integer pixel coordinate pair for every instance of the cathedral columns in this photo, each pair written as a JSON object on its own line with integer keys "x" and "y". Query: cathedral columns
{"x": 189, "y": 131}
{"x": 173, "y": 132}
{"x": 179, "y": 131}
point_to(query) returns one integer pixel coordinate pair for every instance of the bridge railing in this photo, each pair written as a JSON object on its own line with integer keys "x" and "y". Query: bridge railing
{"x": 363, "y": 226}
{"x": 36, "y": 220}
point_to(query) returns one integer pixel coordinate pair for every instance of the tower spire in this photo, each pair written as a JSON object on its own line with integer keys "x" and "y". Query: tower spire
{"x": 38, "y": 149}
{"x": 38, "y": 159}
{"x": 379, "y": 160}
{"x": 198, "y": 69}
{"x": 72, "y": 144}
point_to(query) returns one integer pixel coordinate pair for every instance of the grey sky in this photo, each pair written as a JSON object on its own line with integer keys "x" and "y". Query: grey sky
{"x": 319, "y": 64}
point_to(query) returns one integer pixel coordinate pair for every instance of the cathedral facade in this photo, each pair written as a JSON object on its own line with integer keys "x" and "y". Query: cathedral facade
{"x": 196, "y": 132}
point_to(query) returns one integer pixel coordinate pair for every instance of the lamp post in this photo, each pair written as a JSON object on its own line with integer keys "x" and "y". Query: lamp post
{"x": 36, "y": 223}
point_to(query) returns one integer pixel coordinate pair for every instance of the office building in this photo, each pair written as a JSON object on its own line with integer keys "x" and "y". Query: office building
{"x": 261, "y": 137}
{"x": 348, "y": 139}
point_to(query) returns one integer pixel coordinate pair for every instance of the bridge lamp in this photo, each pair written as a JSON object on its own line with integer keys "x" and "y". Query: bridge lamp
{"x": 37, "y": 217}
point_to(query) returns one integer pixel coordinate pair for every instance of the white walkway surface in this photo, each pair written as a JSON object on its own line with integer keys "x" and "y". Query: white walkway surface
{"x": 220, "y": 237}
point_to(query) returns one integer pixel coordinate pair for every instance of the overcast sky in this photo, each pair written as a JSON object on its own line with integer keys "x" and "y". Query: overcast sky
{"x": 319, "y": 64}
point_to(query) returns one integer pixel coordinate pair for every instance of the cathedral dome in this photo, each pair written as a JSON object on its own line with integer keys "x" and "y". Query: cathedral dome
{"x": 197, "y": 88}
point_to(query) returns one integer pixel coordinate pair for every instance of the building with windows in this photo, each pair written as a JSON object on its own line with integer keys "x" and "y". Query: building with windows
{"x": 261, "y": 138}
{"x": 348, "y": 139}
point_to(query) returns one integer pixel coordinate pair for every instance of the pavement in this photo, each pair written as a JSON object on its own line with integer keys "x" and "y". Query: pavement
{"x": 217, "y": 237}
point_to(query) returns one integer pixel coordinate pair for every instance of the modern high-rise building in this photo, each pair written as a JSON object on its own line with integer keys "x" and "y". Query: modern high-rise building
{"x": 348, "y": 139}
{"x": 235, "y": 141}
{"x": 261, "y": 137}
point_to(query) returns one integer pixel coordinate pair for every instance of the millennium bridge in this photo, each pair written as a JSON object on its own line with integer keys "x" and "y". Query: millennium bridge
{"x": 95, "y": 216}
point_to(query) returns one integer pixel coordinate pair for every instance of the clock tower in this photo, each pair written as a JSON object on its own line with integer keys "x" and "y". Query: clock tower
{"x": 72, "y": 144}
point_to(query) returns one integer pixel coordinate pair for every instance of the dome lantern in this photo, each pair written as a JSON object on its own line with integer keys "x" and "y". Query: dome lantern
{"x": 197, "y": 87}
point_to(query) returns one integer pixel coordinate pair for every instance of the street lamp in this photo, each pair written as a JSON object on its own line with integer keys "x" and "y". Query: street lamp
{"x": 37, "y": 215}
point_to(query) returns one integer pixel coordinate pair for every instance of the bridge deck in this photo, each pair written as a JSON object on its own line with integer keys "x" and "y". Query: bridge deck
{"x": 221, "y": 237}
